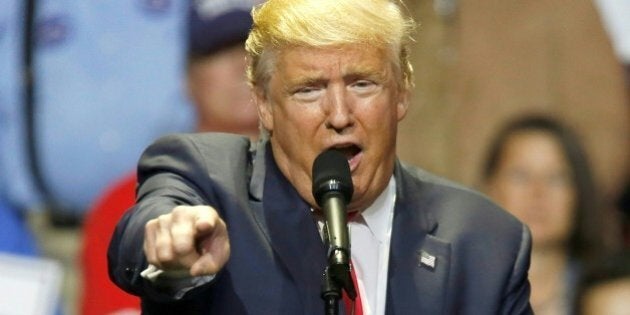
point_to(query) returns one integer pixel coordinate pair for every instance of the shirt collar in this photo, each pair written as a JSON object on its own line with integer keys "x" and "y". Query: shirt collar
{"x": 376, "y": 215}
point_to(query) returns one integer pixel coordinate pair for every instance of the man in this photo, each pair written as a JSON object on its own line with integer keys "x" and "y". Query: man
{"x": 220, "y": 229}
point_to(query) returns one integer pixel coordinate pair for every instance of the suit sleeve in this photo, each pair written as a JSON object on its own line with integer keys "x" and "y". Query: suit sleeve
{"x": 170, "y": 173}
{"x": 516, "y": 298}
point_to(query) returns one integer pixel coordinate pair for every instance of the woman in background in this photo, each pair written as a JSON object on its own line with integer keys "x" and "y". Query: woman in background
{"x": 537, "y": 170}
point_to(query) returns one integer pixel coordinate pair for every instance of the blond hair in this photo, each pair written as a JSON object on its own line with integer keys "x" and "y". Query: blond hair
{"x": 280, "y": 24}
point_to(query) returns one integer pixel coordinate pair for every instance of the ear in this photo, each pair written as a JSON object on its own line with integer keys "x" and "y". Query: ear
{"x": 403, "y": 104}
{"x": 265, "y": 109}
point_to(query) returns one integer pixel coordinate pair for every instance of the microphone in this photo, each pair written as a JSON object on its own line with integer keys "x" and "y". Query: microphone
{"x": 332, "y": 189}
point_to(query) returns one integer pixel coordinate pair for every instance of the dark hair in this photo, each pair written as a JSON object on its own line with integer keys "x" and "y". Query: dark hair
{"x": 602, "y": 271}
{"x": 586, "y": 236}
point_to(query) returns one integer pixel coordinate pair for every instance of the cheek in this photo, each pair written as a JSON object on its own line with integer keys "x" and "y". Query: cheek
{"x": 563, "y": 208}
{"x": 381, "y": 119}
{"x": 294, "y": 119}
{"x": 296, "y": 128}
{"x": 509, "y": 196}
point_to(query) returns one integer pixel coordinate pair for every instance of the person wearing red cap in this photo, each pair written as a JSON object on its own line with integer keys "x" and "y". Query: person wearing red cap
{"x": 217, "y": 87}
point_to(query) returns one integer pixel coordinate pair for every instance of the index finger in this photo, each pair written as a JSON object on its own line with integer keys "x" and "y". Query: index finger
{"x": 206, "y": 220}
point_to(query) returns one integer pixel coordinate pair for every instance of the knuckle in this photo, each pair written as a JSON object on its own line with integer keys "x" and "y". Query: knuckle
{"x": 163, "y": 219}
{"x": 164, "y": 256}
{"x": 150, "y": 225}
{"x": 179, "y": 210}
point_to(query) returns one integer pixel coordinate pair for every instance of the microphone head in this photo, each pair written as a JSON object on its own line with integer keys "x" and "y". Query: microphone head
{"x": 331, "y": 173}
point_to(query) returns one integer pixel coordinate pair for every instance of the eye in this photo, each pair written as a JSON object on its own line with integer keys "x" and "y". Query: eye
{"x": 363, "y": 86}
{"x": 307, "y": 93}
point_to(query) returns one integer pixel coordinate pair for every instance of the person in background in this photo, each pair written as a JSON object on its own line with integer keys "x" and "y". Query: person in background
{"x": 537, "y": 170}
{"x": 605, "y": 286}
{"x": 218, "y": 90}
{"x": 221, "y": 227}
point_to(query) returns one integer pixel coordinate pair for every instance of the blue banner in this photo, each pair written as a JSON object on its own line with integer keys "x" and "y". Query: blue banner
{"x": 108, "y": 80}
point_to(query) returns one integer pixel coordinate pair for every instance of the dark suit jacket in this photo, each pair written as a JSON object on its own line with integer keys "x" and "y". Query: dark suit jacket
{"x": 277, "y": 258}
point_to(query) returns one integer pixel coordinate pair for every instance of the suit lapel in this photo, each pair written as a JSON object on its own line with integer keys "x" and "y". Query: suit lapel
{"x": 419, "y": 262}
{"x": 294, "y": 235}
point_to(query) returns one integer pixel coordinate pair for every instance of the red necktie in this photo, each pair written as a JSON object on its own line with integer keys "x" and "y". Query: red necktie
{"x": 358, "y": 307}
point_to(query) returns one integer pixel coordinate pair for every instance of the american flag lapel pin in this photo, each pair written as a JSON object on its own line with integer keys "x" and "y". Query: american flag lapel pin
{"x": 427, "y": 260}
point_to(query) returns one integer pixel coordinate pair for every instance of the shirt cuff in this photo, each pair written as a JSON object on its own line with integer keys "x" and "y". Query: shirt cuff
{"x": 177, "y": 282}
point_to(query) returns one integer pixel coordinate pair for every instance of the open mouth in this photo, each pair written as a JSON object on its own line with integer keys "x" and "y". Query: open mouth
{"x": 351, "y": 152}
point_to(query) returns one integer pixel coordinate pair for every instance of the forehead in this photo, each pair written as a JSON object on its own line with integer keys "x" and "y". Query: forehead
{"x": 533, "y": 138}
{"x": 343, "y": 60}
{"x": 538, "y": 147}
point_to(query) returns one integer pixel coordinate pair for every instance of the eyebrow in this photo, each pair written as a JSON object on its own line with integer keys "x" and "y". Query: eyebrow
{"x": 371, "y": 75}
{"x": 306, "y": 81}
{"x": 291, "y": 86}
{"x": 347, "y": 76}
{"x": 365, "y": 72}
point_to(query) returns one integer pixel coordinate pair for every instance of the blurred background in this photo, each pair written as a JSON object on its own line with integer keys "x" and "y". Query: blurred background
{"x": 86, "y": 85}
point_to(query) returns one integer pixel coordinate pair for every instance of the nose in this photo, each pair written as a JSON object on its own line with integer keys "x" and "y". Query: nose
{"x": 339, "y": 111}
{"x": 540, "y": 188}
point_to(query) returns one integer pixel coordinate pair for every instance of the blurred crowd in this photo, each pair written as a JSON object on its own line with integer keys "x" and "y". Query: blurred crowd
{"x": 527, "y": 102}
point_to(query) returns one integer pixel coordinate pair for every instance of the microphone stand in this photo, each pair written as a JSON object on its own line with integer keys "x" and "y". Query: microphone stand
{"x": 331, "y": 293}
{"x": 336, "y": 277}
